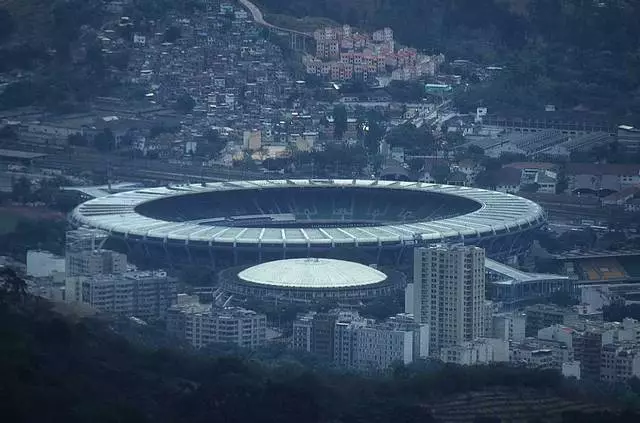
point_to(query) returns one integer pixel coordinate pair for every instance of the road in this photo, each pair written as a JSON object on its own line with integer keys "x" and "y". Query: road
{"x": 143, "y": 169}
{"x": 258, "y": 17}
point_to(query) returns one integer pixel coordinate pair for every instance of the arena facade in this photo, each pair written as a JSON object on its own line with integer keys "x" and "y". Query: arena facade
{"x": 227, "y": 224}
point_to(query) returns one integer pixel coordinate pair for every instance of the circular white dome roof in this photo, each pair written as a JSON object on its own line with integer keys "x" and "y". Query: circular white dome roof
{"x": 312, "y": 273}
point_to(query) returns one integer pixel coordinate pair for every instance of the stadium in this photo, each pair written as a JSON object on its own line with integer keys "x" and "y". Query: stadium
{"x": 309, "y": 280}
{"x": 226, "y": 224}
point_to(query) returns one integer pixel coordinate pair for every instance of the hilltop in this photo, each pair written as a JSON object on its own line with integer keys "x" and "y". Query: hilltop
{"x": 571, "y": 53}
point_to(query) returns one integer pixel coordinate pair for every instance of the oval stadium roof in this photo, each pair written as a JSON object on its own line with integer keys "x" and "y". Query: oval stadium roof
{"x": 312, "y": 273}
{"x": 498, "y": 213}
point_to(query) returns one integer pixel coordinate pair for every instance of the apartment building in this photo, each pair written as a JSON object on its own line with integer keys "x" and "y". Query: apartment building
{"x": 95, "y": 262}
{"x": 361, "y": 343}
{"x": 540, "y": 316}
{"x": 146, "y": 295}
{"x": 204, "y": 324}
{"x": 509, "y": 326}
{"x": 449, "y": 293}
{"x": 620, "y": 362}
{"x": 478, "y": 351}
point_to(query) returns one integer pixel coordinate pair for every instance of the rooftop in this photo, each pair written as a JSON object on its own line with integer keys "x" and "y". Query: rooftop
{"x": 498, "y": 213}
{"x": 312, "y": 273}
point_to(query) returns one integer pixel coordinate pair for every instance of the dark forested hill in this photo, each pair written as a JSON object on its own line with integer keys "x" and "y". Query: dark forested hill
{"x": 60, "y": 368}
{"x": 567, "y": 52}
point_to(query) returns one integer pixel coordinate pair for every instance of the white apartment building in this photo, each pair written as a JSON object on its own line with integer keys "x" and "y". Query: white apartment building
{"x": 95, "y": 262}
{"x": 479, "y": 351}
{"x": 449, "y": 293}
{"x": 619, "y": 362}
{"x": 146, "y": 295}
{"x": 203, "y": 324}
{"x": 509, "y": 326}
{"x": 365, "y": 345}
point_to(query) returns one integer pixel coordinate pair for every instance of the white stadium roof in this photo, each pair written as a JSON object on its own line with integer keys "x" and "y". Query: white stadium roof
{"x": 498, "y": 213}
{"x": 312, "y": 273}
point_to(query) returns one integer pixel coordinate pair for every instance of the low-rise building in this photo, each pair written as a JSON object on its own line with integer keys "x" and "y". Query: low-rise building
{"x": 479, "y": 351}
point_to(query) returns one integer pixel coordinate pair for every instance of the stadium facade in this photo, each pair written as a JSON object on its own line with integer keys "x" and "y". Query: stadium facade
{"x": 246, "y": 222}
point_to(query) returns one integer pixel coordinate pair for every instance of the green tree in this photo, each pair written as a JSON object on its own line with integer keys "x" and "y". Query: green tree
{"x": 7, "y": 24}
{"x": 104, "y": 141}
{"x": 531, "y": 188}
{"x": 212, "y": 144}
{"x": 419, "y": 141}
{"x": 339, "y": 121}
{"x": 78, "y": 140}
{"x": 441, "y": 172}
{"x": 185, "y": 103}
{"x": 172, "y": 34}
{"x": 21, "y": 190}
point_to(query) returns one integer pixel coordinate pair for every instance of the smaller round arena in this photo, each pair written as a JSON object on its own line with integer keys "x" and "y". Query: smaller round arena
{"x": 309, "y": 280}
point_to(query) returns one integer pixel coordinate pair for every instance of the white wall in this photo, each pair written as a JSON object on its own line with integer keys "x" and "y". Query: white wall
{"x": 44, "y": 264}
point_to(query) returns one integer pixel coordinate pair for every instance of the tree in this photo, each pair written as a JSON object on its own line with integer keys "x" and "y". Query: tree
{"x": 172, "y": 34}
{"x": 418, "y": 141}
{"x": 185, "y": 103}
{"x": 531, "y": 188}
{"x": 339, "y": 121}
{"x": 7, "y": 133}
{"x": 211, "y": 145}
{"x": 441, "y": 172}
{"x": 12, "y": 284}
{"x": 21, "y": 190}
{"x": 405, "y": 91}
{"x": 7, "y": 24}
{"x": 78, "y": 140}
{"x": 104, "y": 141}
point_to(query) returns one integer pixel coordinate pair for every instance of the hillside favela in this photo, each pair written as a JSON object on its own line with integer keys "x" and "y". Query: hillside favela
{"x": 323, "y": 211}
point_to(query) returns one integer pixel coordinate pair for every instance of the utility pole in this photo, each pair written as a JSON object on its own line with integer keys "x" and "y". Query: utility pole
{"x": 109, "y": 176}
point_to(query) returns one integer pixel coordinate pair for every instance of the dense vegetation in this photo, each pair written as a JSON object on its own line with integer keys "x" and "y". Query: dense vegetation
{"x": 58, "y": 368}
{"x": 564, "y": 52}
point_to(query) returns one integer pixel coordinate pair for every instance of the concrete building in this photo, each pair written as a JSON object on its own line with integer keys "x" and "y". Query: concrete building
{"x": 540, "y": 353}
{"x": 540, "y": 316}
{"x": 479, "y": 351}
{"x": 509, "y": 326}
{"x": 620, "y": 362}
{"x": 571, "y": 369}
{"x": 449, "y": 293}
{"x": 95, "y": 262}
{"x": 629, "y": 138}
{"x": 361, "y": 343}
{"x": 203, "y": 324}
{"x": 146, "y": 295}
{"x": 378, "y": 346}
{"x": 315, "y": 332}
{"x": 43, "y": 264}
